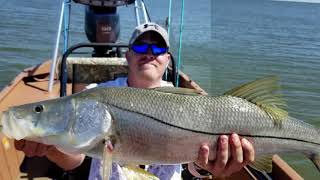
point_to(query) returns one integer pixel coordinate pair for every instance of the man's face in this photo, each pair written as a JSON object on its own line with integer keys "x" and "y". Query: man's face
{"x": 147, "y": 66}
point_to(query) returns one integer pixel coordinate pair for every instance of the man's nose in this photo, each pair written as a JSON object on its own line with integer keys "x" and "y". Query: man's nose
{"x": 149, "y": 54}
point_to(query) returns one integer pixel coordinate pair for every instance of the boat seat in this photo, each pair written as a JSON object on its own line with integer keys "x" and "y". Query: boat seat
{"x": 105, "y": 3}
{"x": 86, "y": 70}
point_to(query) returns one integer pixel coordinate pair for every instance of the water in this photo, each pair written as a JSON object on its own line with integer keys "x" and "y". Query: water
{"x": 225, "y": 43}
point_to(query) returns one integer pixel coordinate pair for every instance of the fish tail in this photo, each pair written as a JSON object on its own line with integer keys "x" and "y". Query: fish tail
{"x": 315, "y": 158}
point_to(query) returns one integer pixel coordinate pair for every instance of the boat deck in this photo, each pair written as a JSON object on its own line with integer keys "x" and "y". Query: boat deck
{"x": 31, "y": 86}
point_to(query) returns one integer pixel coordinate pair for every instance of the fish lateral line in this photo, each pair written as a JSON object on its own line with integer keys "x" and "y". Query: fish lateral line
{"x": 216, "y": 134}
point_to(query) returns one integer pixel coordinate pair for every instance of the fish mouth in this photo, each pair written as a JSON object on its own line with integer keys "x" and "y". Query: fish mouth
{"x": 2, "y": 118}
{"x": 12, "y": 127}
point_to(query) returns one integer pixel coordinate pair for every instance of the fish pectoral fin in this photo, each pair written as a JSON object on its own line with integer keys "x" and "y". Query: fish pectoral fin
{"x": 107, "y": 161}
{"x": 263, "y": 164}
{"x": 315, "y": 158}
{"x": 134, "y": 172}
{"x": 262, "y": 93}
{"x": 177, "y": 90}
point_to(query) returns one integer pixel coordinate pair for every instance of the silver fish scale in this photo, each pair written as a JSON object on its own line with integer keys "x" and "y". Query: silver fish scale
{"x": 142, "y": 140}
{"x": 90, "y": 126}
{"x": 205, "y": 114}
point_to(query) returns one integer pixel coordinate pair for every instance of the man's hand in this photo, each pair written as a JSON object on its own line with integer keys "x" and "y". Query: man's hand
{"x": 31, "y": 149}
{"x": 63, "y": 160}
{"x": 241, "y": 153}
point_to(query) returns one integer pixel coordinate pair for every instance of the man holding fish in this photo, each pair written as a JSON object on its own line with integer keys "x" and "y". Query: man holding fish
{"x": 147, "y": 59}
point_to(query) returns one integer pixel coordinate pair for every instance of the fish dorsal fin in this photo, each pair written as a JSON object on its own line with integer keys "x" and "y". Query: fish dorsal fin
{"x": 177, "y": 90}
{"x": 261, "y": 93}
{"x": 133, "y": 173}
{"x": 263, "y": 164}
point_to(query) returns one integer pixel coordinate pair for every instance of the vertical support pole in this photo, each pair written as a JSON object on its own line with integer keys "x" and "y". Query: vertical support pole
{"x": 56, "y": 49}
{"x": 136, "y": 10}
{"x": 66, "y": 24}
{"x": 144, "y": 12}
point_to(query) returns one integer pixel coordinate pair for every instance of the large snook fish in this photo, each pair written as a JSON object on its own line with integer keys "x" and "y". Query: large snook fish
{"x": 165, "y": 125}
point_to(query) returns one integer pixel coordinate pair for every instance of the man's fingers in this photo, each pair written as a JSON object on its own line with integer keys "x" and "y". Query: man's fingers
{"x": 203, "y": 156}
{"x": 236, "y": 160}
{"x": 30, "y": 148}
{"x": 41, "y": 150}
{"x": 223, "y": 151}
{"x": 19, "y": 144}
{"x": 236, "y": 149}
{"x": 248, "y": 151}
{"x": 221, "y": 157}
{"x": 241, "y": 153}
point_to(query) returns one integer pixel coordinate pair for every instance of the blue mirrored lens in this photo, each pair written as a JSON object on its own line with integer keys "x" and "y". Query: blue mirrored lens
{"x": 140, "y": 48}
{"x": 158, "y": 50}
{"x": 143, "y": 49}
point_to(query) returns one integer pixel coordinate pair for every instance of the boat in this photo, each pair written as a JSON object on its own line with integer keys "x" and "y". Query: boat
{"x": 71, "y": 72}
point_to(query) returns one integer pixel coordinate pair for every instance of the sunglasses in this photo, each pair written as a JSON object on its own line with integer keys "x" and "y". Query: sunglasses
{"x": 143, "y": 49}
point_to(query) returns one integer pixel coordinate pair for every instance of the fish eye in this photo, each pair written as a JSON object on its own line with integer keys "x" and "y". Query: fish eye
{"x": 38, "y": 108}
